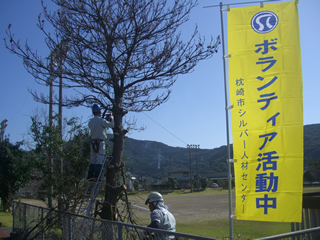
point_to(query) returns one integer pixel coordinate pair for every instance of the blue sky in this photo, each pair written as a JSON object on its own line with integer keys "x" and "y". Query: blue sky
{"x": 195, "y": 111}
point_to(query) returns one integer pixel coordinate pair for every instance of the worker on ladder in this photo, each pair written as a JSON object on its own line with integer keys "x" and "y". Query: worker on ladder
{"x": 98, "y": 128}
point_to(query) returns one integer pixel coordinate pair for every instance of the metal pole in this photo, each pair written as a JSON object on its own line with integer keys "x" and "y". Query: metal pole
{"x": 261, "y": 1}
{"x": 60, "y": 106}
{"x": 14, "y": 216}
{"x": 197, "y": 146}
{"x": 170, "y": 167}
{"x": 189, "y": 146}
{"x": 227, "y": 126}
{"x": 50, "y": 203}
{"x": 51, "y": 90}
{"x": 3, "y": 127}
{"x": 60, "y": 129}
{"x": 60, "y": 103}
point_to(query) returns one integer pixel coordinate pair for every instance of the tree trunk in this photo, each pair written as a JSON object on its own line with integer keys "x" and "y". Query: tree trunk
{"x": 8, "y": 200}
{"x": 110, "y": 202}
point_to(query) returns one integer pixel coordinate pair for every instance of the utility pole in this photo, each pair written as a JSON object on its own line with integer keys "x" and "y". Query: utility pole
{"x": 197, "y": 147}
{"x": 57, "y": 57}
{"x": 60, "y": 97}
{"x": 49, "y": 82}
{"x": 62, "y": 50}
{"x": 3, "y": 128}
{"x": 56, "y": 60}
{"x": 189, "y": 147}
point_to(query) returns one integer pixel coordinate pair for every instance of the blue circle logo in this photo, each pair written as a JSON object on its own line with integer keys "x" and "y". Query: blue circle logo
{"x": 264, "y": 22}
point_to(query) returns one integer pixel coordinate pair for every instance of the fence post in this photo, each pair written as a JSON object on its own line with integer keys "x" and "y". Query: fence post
{"x": 42, "y": 224}
{"x": 311, "y": 203}
{"x": 24, "y": 217}
{"x": 70, "y": 226}
{"x": 119, "y": 231}
{"x": 13, "y": 215}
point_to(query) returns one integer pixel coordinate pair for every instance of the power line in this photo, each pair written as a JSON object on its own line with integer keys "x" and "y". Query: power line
{"x": 165, "y": 129}
{"x": 14, "y": 115}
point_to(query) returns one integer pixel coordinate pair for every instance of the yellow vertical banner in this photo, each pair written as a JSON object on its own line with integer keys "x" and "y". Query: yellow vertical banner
{"x": 265, "y": 84}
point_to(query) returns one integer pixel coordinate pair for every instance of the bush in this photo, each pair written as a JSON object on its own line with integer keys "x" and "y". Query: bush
{"x": 204, "y": 182}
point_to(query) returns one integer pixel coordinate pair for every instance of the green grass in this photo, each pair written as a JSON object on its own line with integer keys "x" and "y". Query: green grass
{"x": 241, "y": 229}
{"x": 144, "y": 195}
{"x": 206, "y": 191}
{"x": 6, "y": 219}
{"x": 215, "y": 229}
{"x": 311, "y": 189}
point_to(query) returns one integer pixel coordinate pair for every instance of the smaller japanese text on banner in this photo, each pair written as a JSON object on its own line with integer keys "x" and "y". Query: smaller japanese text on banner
{"x": 265, "y": 83}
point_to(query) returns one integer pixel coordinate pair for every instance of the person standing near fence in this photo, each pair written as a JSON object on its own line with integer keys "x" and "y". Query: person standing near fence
{"x": 160, "y": 216}
{"x": 98, "y": 130}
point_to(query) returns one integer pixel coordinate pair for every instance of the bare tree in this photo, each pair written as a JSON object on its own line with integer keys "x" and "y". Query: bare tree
{"x": 123, "y": 54}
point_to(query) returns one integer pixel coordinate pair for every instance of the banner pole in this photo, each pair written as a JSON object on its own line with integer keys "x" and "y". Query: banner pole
{"x": 227, "y": 127}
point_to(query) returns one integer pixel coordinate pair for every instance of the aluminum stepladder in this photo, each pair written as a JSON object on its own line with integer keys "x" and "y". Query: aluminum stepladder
{"x": 89, "y": 198}
{"x": 88, "y": 201}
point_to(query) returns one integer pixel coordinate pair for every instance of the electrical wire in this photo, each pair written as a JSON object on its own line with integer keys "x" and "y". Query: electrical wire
{"x": 165, "y": 129}
{"x": 14, "y": 115}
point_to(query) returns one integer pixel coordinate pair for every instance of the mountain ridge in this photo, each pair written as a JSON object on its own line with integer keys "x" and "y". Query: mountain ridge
{"x": 154, "y": 159}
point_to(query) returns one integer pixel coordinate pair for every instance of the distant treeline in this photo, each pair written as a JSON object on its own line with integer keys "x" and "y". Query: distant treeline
{"x": 156, "y": 160}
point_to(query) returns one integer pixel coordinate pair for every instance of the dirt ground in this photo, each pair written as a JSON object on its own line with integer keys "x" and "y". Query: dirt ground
{"x": 185, "y": 208}
{"x": 188, "y": 207}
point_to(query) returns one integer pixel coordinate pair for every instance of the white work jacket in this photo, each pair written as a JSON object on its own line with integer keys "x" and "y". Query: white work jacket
{"x": 98, "y": 127}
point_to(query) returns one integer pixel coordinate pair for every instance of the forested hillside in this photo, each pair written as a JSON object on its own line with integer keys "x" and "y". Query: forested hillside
{"x": 311, "y": 143}
{"x": 155, "y": 159}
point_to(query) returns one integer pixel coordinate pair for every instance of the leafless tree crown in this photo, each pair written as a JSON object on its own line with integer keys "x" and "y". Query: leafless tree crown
{"x": 125, "y": 54}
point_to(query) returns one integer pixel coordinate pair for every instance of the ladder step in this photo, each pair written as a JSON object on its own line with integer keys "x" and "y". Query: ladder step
{"x": 89, "y": 195}
{"x": 93, "y": 187}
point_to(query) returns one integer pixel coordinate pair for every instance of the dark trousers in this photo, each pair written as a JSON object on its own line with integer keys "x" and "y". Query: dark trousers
{"x": 94, "y": 170}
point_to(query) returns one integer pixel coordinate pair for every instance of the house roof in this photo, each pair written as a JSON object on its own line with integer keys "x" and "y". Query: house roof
{"x": 216, "y": 175}
{"x": 180, "y": 170}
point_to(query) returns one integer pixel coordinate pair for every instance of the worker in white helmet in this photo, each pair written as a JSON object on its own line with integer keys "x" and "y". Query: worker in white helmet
{"x": 98, "y": 127}
{"x": 160, "y": 216}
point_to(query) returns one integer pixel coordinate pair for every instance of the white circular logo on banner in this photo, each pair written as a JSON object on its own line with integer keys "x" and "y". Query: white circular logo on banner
{"x": 264, "y": 22}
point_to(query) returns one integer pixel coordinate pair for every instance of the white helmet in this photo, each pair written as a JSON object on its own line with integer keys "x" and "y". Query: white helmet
{"x": 154, "y": 197}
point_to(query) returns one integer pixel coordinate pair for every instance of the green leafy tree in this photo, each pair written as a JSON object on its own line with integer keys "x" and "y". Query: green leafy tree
{"x": 136, "y": 186}
{"x": 309, "y": 177}
{"x": 15, "y": 171}
{"x": 204, "y": 182}
{"x": 62, "y": 163}
{"x": 315, "y": 169}
{"x": 126, "y": 54}
{"x": 173, "y": 182}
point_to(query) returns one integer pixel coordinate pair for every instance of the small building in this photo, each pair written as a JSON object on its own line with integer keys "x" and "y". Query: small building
{"x": 183, "y": 177}
{"x": 181, "y": 174}
{"x": 216, "y": 175}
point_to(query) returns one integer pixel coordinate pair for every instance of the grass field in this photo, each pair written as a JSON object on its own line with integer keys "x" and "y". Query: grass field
{"x": 216, "y": 228}
{"x": 6, "y": 219}
{"x": 241, "y": 229}
{"x": 202, "y": 226}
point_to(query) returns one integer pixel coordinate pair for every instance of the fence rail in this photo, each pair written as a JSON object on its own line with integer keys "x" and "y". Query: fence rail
{"x": 39, "y": 223}
{"x": 33, "y": 222}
